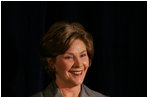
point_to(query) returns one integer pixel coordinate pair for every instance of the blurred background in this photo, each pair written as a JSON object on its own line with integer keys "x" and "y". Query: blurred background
{"x": 119, "y": 29}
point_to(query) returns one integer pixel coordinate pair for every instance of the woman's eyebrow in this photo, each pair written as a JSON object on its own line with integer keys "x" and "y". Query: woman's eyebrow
{"x": 70, "y": 53}
{"x": 83, "y": 51}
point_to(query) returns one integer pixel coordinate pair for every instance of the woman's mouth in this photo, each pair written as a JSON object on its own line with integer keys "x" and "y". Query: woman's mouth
{"x": 76, "y": 73}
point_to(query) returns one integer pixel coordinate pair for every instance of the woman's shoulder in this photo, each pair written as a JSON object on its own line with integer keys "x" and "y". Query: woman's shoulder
{"x": 39, "y": 94}
{"x": 50, "y": 91}
{"x": 91, "y": 92}
{"x": 47, "y": 92}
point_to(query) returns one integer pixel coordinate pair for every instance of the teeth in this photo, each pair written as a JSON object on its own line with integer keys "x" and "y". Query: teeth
{"x": 77, "y": 72}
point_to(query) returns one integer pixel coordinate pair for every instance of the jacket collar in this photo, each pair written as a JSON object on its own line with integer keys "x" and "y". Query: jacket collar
{"x": 53, "y": 91}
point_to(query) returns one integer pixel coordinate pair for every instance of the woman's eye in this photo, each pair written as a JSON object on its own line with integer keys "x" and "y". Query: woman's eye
{"x": 68, "y": 57}
{"x": 83, "y": 55}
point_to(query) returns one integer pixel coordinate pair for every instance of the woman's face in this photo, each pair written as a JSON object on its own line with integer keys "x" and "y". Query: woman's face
{"x": 71, "y": 67}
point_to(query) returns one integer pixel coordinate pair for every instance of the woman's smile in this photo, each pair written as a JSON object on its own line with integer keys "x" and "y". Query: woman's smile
{"x": 76, "y": 73}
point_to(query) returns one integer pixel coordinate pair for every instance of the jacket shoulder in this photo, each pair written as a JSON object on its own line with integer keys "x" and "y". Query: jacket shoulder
{"x": 49, "y": 91}
{"x": 93, "y": 93}
{"x": 39, "y": 94}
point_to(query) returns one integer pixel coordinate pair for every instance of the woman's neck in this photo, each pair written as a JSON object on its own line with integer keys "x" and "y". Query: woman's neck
{"x": 68, "y": 90}
{"x": 71, "y": 92}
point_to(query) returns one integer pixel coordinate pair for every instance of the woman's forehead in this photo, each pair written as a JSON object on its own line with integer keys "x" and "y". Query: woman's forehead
{"x": 77, "y": 46}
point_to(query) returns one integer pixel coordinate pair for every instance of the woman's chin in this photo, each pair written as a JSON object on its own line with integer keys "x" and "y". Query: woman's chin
{"x": 77, "y": 81}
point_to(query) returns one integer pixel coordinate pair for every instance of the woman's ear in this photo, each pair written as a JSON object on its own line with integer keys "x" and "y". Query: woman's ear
{"x": 50, "y": 62}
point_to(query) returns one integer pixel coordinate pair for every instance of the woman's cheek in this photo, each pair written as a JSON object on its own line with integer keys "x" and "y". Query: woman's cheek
{"x": 65, "y": 64}
{"x": 61, "y": 64}
{"x": 68, "y": 64}
{"x": 86, "y": 61}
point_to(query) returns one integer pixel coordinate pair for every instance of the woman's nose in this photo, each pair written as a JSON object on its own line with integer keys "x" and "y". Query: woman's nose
{"x": 77, "y": 62}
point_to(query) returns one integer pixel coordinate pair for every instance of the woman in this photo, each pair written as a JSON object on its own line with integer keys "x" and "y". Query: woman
{"x": 67, "y": 51}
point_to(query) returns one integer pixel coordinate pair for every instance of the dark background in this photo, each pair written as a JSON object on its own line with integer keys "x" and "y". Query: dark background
{"x": 119, "y": 29}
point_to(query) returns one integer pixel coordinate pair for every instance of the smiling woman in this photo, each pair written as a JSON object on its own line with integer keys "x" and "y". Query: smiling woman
{"x": 67, "y": 51}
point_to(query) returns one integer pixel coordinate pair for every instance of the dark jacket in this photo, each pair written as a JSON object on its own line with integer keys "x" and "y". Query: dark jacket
{"x": 53, "y": 91}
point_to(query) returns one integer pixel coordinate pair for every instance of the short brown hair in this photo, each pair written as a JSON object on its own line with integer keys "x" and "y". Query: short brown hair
{"x": 59, "y": 38}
